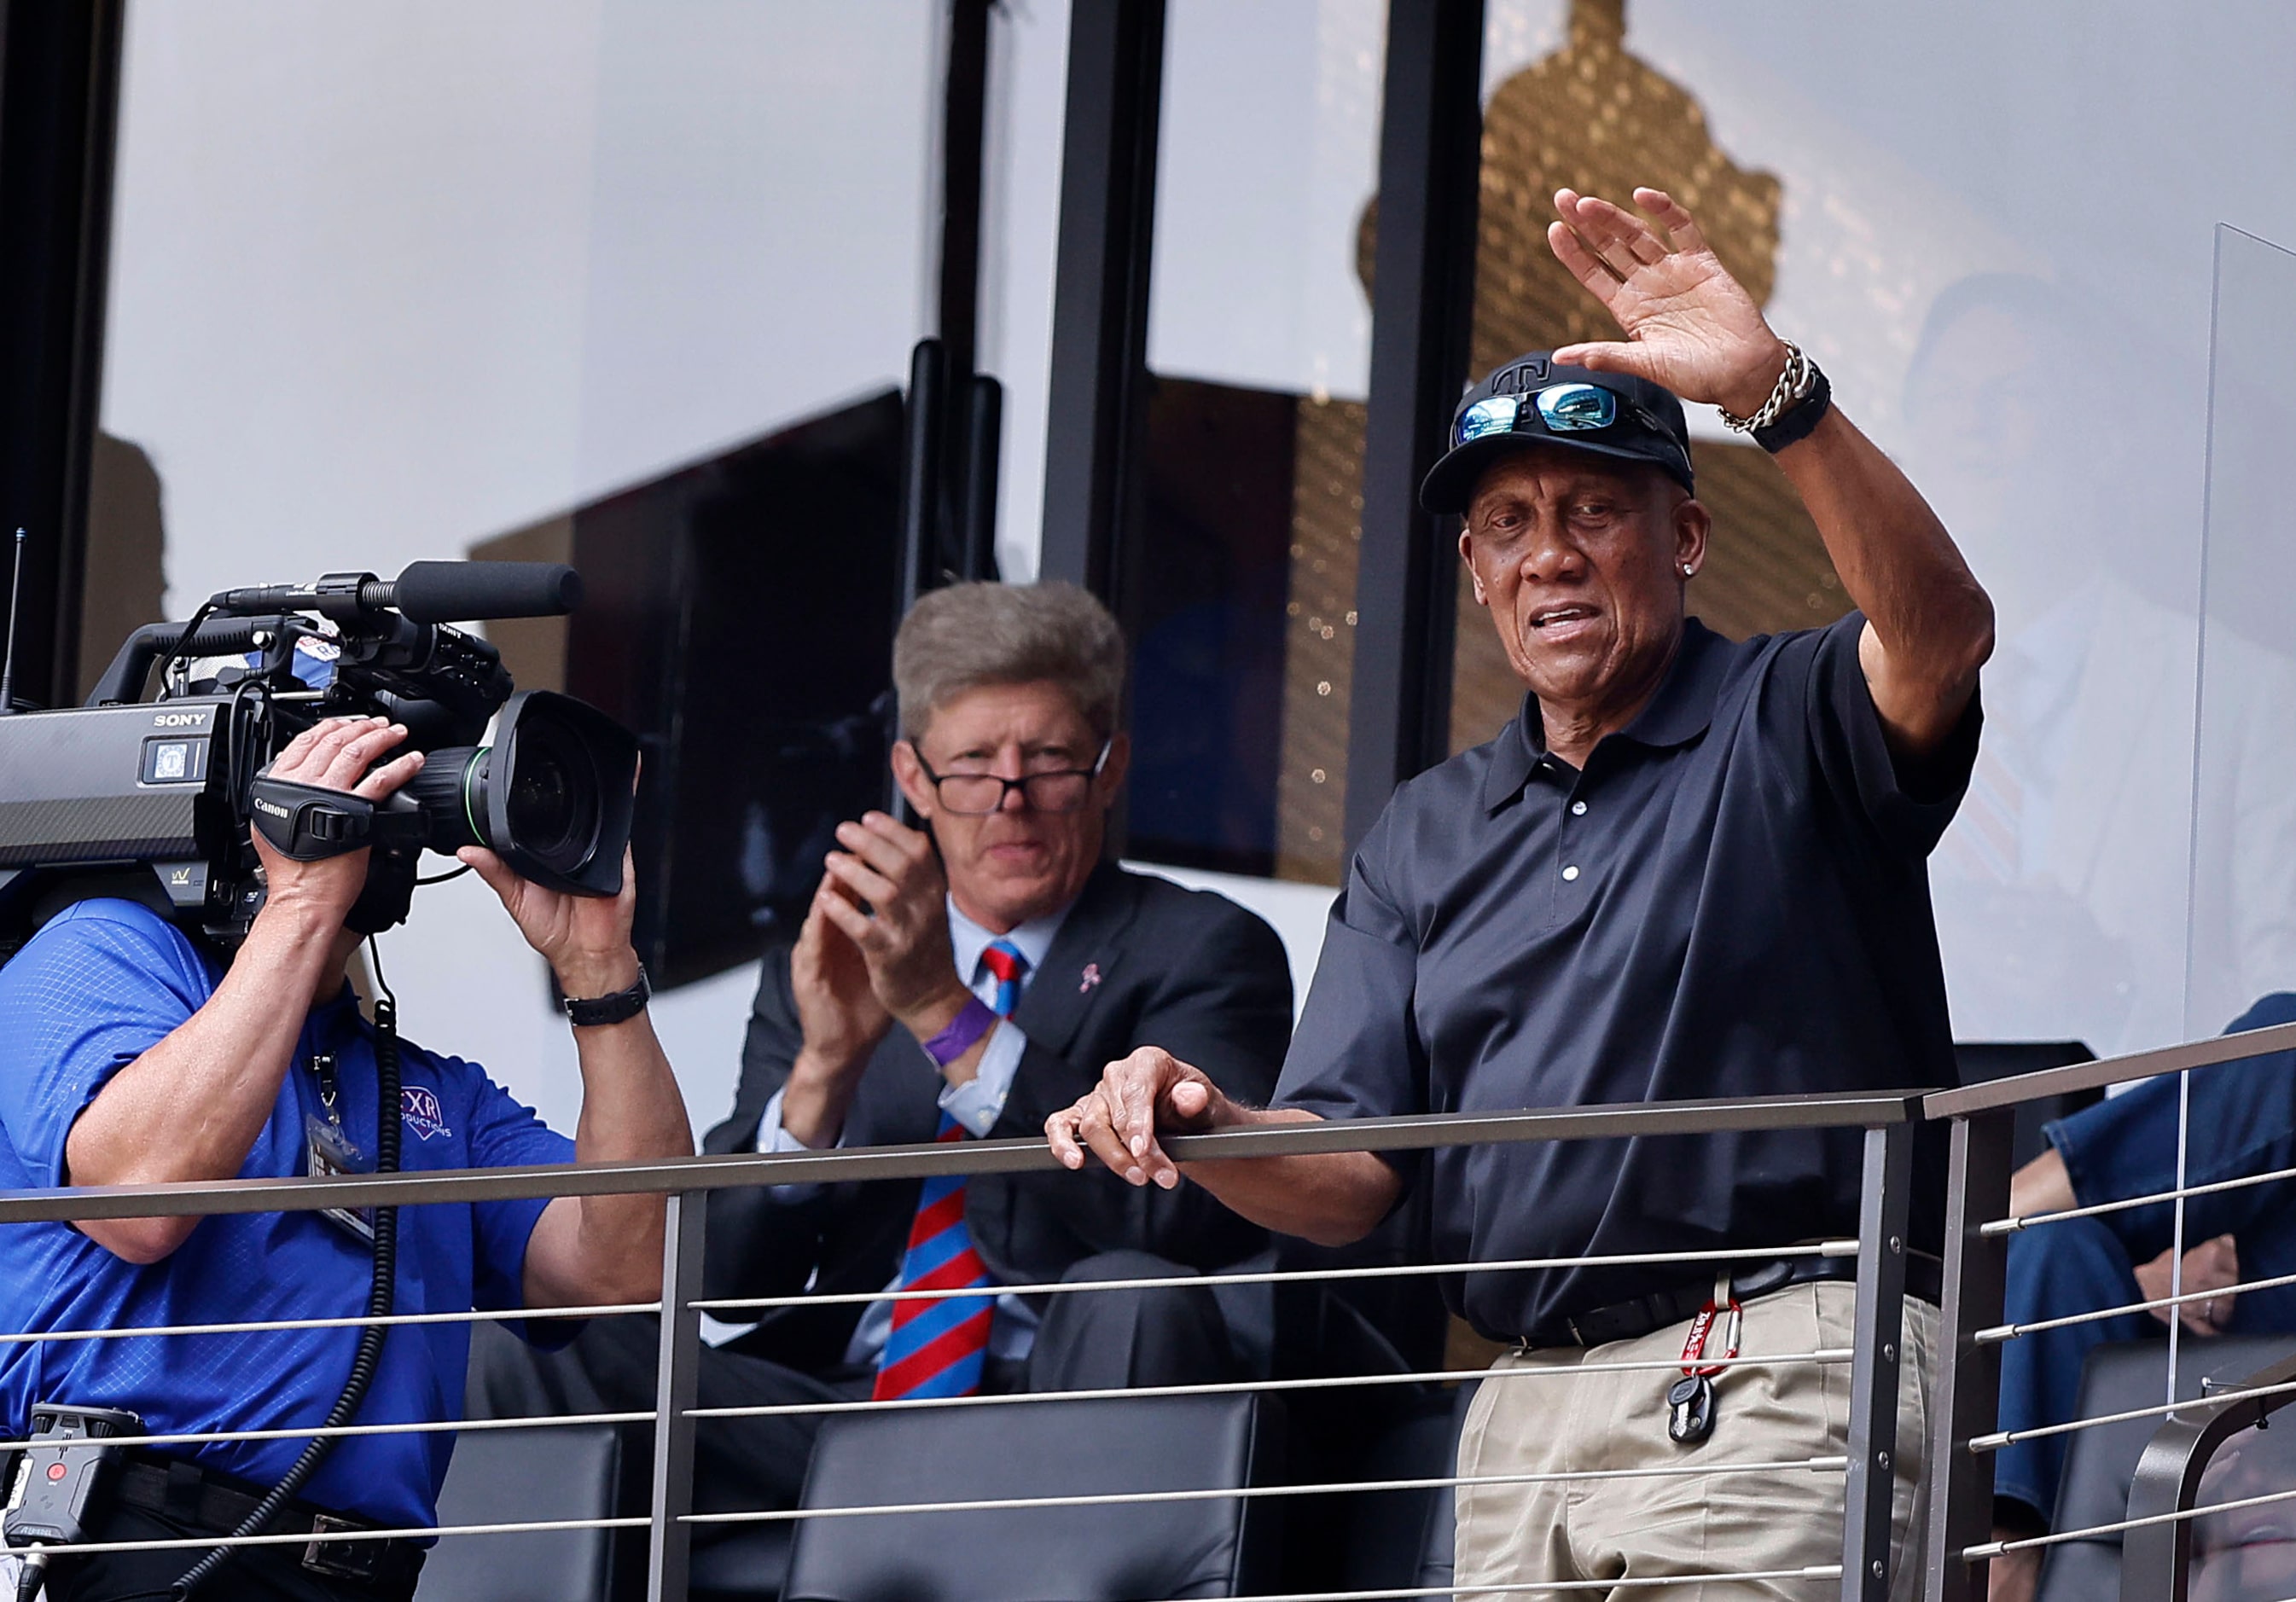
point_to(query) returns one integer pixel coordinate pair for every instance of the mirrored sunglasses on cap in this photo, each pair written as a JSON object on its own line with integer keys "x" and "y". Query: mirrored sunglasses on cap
{"x": 1576, "y": 408}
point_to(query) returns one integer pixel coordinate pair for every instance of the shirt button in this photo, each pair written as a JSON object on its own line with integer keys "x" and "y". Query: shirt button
{"x": 1577, "y": 809}
{"x": 1571, "y": 873}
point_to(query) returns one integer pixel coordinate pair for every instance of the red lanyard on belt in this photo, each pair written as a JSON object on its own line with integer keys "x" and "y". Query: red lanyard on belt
{"x": 1694, "y": 1346}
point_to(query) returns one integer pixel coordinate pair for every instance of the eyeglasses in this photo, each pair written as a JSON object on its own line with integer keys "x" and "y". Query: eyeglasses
{"x": 978, "y": 795}
{"x": 1561, "y": 408}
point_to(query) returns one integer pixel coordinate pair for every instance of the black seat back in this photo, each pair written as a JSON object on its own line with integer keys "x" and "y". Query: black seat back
{"x": 515, "y": 1476}
{"x": 1110, "y": 1553}
{"x": 2120, "y": 1376}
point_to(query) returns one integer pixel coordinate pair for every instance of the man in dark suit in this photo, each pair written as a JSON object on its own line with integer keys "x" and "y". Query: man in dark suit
{"x": 968, "y": 978}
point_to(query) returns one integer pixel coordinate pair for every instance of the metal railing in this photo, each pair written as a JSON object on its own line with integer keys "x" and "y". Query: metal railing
{"x": 1965, "y": 1403}
{"x": 1873, "y": 1356}
{"x": 1964, "y": 1432}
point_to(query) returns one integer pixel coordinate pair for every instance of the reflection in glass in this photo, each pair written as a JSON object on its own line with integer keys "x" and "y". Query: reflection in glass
{"x": 1593, "y": 117}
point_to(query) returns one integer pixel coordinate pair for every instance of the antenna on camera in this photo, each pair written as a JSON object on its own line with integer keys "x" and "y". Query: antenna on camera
{"x": 15, "y": 608}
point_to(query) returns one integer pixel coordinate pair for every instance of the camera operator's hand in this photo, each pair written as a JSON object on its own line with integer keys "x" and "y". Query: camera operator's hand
{"x": 892, "y": 870}
{"x": 586, "y": 939}
{"x": 335, "y": 755}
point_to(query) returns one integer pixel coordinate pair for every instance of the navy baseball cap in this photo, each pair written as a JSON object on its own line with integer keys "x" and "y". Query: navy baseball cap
{"x": 1536, "y": 400}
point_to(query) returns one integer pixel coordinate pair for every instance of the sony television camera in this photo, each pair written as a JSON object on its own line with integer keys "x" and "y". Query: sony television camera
{"x": 154, "y": 800}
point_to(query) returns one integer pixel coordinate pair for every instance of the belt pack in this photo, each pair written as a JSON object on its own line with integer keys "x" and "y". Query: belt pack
{"x": 1639, "y": 1316}
{"x": 187, "y": 1495}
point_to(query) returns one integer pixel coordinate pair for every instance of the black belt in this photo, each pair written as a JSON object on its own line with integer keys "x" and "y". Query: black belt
{"x": 187, "y": 1495}
{"x": 1637, "y": 1317}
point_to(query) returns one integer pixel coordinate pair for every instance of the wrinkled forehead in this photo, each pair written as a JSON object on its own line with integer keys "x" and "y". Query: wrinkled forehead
{"x": 1544, "y": 472}
{"x": 990, "y": 716}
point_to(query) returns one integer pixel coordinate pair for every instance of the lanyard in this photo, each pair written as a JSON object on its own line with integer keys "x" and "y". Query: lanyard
{"x": 1694, "y": 1364}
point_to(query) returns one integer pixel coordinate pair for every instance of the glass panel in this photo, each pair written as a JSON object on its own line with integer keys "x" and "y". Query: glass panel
{"x": 1878, "y": 177}
{"x": 2243, "y": 895}
{"x": 389, "y": 280}
{"x": 1239, "y": 598}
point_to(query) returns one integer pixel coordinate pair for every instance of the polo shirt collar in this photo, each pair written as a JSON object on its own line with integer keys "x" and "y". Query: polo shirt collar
{"x": 1679, "y": 714}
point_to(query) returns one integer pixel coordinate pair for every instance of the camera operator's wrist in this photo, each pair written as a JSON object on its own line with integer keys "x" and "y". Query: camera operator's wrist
{"x": 591, "y": 975}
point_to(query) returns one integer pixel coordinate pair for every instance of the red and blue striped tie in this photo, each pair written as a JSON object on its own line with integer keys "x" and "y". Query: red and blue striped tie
{"x": 937, "y": 1346}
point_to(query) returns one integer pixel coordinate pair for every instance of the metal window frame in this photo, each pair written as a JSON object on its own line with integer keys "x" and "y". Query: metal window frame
{"x": 58, "y": 123}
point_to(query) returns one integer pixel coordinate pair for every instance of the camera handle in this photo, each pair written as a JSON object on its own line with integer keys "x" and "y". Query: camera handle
{"x": 309, "y": 824}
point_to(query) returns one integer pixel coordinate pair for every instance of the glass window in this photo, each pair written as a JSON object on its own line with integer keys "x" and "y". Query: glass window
{"x": 1239, "y": 595}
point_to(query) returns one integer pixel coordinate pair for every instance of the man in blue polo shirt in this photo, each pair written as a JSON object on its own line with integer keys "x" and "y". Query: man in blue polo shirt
{"x": 1692, "y": 867}
{"x": 131, "y": 1054}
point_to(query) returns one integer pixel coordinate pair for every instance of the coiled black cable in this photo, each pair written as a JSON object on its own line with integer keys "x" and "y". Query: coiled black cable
{"x": 379, "y": 1300}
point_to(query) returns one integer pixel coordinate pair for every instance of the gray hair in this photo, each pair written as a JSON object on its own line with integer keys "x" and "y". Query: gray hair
{"x": 965, "y": 636}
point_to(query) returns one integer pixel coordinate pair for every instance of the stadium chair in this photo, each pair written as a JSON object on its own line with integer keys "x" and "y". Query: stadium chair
{"x": 509, "y": 1476}
{"x": 2099, "y": 1463}
{"x": 1983, "y": 1061}
{"x": 1110, "y": 1553}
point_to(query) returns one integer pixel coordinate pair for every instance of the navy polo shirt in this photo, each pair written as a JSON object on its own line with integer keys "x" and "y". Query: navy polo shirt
{"x": 1731, "y": 900}
{"x": 102, "y": 983}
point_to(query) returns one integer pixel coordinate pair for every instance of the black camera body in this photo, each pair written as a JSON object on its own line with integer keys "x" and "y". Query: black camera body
{"x": 155, "y": 800}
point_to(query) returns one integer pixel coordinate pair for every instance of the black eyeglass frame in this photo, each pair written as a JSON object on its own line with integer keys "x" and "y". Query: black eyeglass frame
{"x": 1022, "y": 784}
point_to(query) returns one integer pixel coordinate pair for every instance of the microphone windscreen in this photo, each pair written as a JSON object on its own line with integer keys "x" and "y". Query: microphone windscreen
{"x": 464, "y": 592}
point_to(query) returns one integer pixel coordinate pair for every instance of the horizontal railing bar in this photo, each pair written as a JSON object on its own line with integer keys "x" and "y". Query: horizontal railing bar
{"x": 1995, "y": 1548}
{"x": 346, "y": 1321}
{"x": 1516, "y": 1588}
{"x": 1998, "y": 1093}
{"x": 1237, "y": 1388}
{"x": 2010, "y": 1332}
{"x": 2010, "y": 1437}
{"x": 1017, "y": 1504}
{"x": 841, "y": 1165}
{"x": 1275, "y": 1276}
{"x": 2034, "y": 1220}
{"x": 1324, "y": 1382}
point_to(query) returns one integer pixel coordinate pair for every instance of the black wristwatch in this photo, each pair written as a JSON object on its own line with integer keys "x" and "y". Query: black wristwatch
{"x": 592, "y": 1012}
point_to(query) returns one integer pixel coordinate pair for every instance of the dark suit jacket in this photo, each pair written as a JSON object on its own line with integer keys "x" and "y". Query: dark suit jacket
{"x": 1184, "y": 969}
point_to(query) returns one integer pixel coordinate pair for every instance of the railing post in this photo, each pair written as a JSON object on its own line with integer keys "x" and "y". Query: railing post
{"x": 672, "y": 1537}
{"x": 1965, "y": 1402}
{"x": 1885, "y": 1206}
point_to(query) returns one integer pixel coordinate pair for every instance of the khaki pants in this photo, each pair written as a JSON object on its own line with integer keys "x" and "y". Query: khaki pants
{"x": 1553, "y": 1420}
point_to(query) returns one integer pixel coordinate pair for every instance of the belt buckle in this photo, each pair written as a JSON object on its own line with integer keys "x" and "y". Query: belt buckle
{"x": 340, "y": 1559}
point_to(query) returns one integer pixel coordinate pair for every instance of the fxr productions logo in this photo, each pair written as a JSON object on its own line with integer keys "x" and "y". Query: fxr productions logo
{"x": 418, "y": 1106}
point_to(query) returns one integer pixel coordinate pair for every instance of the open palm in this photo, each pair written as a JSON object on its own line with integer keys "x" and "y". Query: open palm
{"x": 1689, "y": 324}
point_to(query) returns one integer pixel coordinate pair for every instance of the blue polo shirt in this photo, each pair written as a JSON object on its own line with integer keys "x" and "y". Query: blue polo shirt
{"x": 97, "y": 987}
{"x": 1730, "y": 899}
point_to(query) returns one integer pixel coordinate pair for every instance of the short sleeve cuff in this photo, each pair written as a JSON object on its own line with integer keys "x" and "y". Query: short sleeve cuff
{"x": 978, "y": 1102}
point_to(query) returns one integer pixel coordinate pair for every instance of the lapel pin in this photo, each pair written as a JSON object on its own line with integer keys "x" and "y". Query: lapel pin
{"x": 1091, "y": 977}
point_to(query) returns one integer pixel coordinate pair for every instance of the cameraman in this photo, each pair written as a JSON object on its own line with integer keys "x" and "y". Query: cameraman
{"x": 131, "y": 1056}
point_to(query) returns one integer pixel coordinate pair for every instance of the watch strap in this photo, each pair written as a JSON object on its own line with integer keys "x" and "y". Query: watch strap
{"x": 1796, "y": 424}
{"x": 590, "y": 1013}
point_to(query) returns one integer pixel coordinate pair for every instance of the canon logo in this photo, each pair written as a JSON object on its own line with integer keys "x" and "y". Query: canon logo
{"x": 272, "y": 807}
{"x": 179, "y": 719}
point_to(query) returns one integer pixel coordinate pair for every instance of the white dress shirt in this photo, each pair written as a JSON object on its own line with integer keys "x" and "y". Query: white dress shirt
{"x": 976, "y": 1104}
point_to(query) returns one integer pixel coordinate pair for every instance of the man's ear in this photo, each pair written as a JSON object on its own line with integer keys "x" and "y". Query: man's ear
{"x": 909, "y": 774}
{"x": 1693, "y": 524}
{"x": 1467, "y": 557}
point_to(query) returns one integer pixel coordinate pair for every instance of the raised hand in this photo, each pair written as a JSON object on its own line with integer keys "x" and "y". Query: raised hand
{"x": 1688, "y": 324}
{"x": 839, "y": 1013}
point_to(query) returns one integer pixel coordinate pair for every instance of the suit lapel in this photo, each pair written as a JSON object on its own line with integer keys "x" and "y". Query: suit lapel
{"x": 1083, "y": 956}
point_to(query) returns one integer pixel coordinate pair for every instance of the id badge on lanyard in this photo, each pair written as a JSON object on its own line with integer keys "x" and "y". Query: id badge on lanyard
{"x": 330, "y": 1151}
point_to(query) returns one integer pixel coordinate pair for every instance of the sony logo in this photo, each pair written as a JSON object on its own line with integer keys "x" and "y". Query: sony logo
{"x": 272, "y": 807}
{"x": 179, "y": 719}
